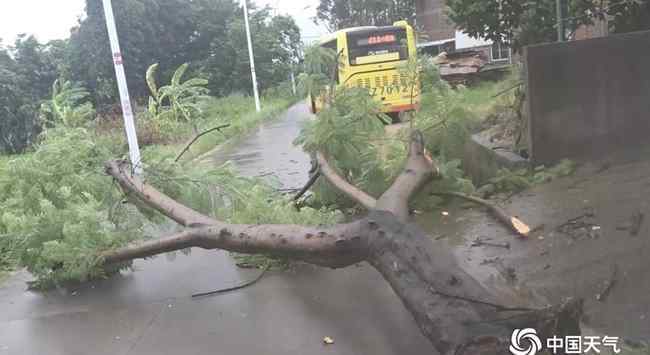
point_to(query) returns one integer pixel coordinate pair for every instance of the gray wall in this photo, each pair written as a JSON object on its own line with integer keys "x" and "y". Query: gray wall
{"x": 588, "y": 98}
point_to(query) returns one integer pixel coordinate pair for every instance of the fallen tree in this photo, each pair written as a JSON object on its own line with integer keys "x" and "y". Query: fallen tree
{"x": 452, "y": 309}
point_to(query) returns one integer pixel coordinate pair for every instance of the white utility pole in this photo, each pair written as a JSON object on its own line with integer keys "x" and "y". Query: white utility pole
{"x": 252, "y": 58}
{"x": 127, "y": 111}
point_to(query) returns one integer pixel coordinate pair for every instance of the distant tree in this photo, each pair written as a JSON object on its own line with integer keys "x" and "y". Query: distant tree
{"x": 337, "y": 14}
{"x": 37, "y": 65}
{"x": 27, "y": 71}
{"x": 277, "y": 45}
{"x": 630, "y": 16}
{"x": 523, "y": 22}
{"x": 150, "y": 31}
{"x": 208, "y": 34}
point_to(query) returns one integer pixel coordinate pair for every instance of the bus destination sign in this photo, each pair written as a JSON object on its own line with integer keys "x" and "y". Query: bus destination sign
{"x": 379, "y": 39}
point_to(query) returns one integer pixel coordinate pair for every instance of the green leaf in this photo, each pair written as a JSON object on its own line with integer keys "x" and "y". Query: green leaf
{"x": 151, "y": 80}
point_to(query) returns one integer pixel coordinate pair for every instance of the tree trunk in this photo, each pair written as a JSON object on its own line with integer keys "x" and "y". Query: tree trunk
{"x": 452, "y": 309}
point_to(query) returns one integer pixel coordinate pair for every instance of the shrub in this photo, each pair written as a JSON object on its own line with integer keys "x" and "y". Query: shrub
{"x": 180, "y": 101}
{"x": 55, "y": 205}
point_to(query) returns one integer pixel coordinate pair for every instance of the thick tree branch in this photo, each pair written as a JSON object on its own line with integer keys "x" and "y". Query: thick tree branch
{"x": 455, "y": 311}
{"x": 419, "y": 170}
{"x": 180, "y": 213}
{"x": 338, "y": 246}
{"x": 356, "y": 194}
{"x": 452, "y": 308}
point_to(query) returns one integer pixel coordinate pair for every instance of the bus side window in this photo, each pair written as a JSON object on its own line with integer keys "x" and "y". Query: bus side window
{"x": 332, "y": 45}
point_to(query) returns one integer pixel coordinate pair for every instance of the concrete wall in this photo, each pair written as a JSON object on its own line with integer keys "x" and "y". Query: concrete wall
{"x": 587, "y": 98}
{"x": 482, "y": 159}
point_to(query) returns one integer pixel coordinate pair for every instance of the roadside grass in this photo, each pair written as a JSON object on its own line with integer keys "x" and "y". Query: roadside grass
{"x": 238, "y": 112}
{"x": 479, "y": 98}
{"x": 6, "y": 262}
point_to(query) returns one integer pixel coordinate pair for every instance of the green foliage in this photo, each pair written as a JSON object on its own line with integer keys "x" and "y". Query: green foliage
{"x": 452, "y": 178}
{"x": 67, "y": 105}
{"x": 60, "y": 210}
{"x": 318, "y": 66}
{"x": 338, "y": 14}
{"x": 518, "y": 180}
{"x": 180, "y": 101}
{"x": 55, "y": 207}
{"x": 444, "y": 118}
{"x": 350, "y": 133}
{"x": 523, "y": 22}
{"x": 369, "y": 156}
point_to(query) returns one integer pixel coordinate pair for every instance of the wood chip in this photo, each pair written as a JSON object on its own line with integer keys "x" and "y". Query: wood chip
{"x": 521, "y": 227}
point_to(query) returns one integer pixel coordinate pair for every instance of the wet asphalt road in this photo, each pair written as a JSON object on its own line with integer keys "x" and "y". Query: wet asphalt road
{"x": 150, "y": 311}
{"x": 269, "y": 153}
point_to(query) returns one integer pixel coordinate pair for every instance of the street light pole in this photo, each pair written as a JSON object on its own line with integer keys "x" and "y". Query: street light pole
{"x": 559, "y": 8}
{"x": 127, "y": 111}
{"x": 258, "y": 107}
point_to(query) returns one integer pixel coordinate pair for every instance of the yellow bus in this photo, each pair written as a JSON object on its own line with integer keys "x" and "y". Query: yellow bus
{"x": 370, "y": 57}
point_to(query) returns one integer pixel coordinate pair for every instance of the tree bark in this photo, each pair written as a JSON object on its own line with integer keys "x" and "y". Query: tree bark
{"x": 452, "y": 309}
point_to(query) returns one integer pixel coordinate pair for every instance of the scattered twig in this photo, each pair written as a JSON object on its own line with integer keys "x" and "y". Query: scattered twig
{"x": 265, "y": 175}
{"x": 633, "y": 225}
{"x": 498, "y": 307}
{"x": 508, "y": 89}
{"x": 384, "y": 122}
{"x": 489, "y": 261}
{"x": 604, "y": 167}
{"x": 189, "y": 144}
{"x": 602, "y": 296}
{"x": 580, "y": 226}
{"x": 575, "y": 220}
{"x": 478, "y": 242}
{"x": 308, "y": 185}
{"x": 235, "y": 288}
{"x": 514, "y": 223}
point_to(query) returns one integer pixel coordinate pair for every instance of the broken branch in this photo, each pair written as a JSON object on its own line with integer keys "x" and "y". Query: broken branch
{"x": 336, "y": 246}
{"x": 196, "y": 138}
{"x": 308, "y": 185}
{"x": 179, "y": 213}
{"x": 343, "y": 185}
{"x": 417, "y": 172}
{"x": 513, "y": 223}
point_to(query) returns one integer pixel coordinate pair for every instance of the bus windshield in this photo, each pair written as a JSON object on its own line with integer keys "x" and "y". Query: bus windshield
{"x": 377, "y": 46}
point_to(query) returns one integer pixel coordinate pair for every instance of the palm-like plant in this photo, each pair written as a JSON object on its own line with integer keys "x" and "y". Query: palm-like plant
{"x": 67, "y": 105}
{"x": 179, "y": 101}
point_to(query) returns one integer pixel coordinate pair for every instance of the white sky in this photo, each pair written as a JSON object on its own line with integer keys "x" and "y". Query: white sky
{"x": 52, "y": 19}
